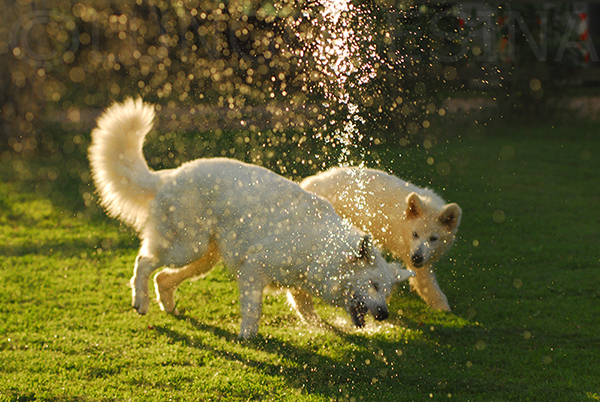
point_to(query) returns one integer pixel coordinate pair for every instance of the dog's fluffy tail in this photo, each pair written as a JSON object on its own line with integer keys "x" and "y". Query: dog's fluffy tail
{"x": 125, "y": 183}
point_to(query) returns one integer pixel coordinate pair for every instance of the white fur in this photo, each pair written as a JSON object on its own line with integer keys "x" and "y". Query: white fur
{"x": 265, "y": 228}
{"x": 413, "y": 223}
{"x": 121, "y": 175}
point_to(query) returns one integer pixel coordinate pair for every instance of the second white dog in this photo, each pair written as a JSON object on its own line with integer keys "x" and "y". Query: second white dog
{"x": 413, "y": 223}
{"x": 264, "y": 227}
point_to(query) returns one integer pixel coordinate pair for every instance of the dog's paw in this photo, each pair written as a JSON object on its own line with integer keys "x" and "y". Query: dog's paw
{"x": 166, "y": 300}
{"x": 439, "y": 302}
{"x": 441, "y": 306}
{"x": 248, "y": 332}
{"x": 141, "y": 304}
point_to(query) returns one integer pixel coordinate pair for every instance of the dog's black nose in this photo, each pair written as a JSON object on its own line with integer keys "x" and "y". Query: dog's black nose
{"x": 381, "y": 314}
{"x": 417, "y": 259}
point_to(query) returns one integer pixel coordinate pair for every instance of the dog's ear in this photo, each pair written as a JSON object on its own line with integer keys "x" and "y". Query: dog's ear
{"x": 414, "y": 209}
{"x": 450, "y": 216}
{"x": 364, "y": 248}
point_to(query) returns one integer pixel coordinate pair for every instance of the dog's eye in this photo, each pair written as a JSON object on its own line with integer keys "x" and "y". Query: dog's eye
{"x": 433, "y": 238}
{"x": 375, "y": 286}
{"x": 415, "y": 235}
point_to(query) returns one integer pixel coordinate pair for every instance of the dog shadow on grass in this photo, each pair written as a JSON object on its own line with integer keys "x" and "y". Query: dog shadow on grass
{"x": 263, "y": 342}
{"x": 361, "y": 359}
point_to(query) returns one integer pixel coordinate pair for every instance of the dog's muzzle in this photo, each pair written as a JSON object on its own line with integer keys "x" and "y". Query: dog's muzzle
{"x": 417, "y": 259}
{"x": 358, "y": 309}
{"x": 381, "y": 313}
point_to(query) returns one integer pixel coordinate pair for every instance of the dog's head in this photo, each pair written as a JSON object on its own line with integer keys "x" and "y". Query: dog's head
{"x": 431, "y": 232}
{"x": 370, "y": 282}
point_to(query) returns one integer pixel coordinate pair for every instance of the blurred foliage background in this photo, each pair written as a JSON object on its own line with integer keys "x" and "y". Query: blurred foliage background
{"x": 264, "y": 70}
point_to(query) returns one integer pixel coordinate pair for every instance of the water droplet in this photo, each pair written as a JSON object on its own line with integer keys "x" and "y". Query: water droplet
{"x": 499, "y": 216}
{"x": 535, "y": 84}
{"x": 586, "y": 155}
{"x": 450, "y": 73}
{"x": 443, "y": 169}
{"x": 507, "y": 152}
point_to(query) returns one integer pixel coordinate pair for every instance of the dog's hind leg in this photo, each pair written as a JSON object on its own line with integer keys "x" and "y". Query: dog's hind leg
{"x": 167, "y": 281}
{"x": 144, "y": 266}
{"x": 301, "y": 301}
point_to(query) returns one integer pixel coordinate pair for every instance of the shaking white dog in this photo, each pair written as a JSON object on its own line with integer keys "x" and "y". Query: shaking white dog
{"x": 414, "y": 223}
{"x": 265, "y": 228}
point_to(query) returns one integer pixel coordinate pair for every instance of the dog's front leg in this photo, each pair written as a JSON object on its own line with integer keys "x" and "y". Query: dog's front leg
{"x": 425, "y": 284}
{"x": 251, "y": 290}
{"x": 144, "y": 266}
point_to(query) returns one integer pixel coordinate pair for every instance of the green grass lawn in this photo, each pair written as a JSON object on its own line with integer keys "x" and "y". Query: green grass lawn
{"x": 523, "y": 280}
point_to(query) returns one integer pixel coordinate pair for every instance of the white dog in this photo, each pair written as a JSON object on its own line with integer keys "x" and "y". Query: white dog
{"x": 413, "y": 223}
{"x": 264, "y": 227}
